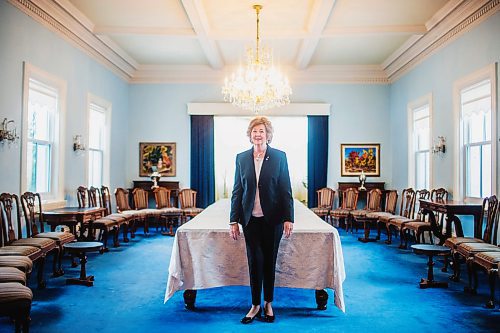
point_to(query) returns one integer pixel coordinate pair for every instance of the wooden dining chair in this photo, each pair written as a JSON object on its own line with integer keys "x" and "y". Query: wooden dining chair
{"x": 8, "y": 236}
{"x": 169, "y": 214}
{"x": 373, "y": 204}
{"x": 123, "y": 207}
{"x": 326, "y": 197}
{"x": 398, "y": 223}
{"x": 32, "y": 208}
{"x": 187, "y": 199}
{"x": 349, "y": 203}
{"x": 121, "y": 219}
{"x": 141, "y": 203}
{"x": 467, "y": 249}
{"x": 422, "y": 225}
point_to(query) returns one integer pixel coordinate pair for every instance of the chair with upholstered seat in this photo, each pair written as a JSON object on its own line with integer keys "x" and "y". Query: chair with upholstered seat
{"x": 398, "y": 223}
{"x": 326, "y": 196}
{"x": 9, "y": 254}
{"x": 32, "y": 208}
{"x": 22, "y": 263}
{"x": 15, "y": 302}
{"x": 489, "y": 262}
{"x": 187, "y": 199}
{"x": 405, "y": 210}
{"x": 373, "y": 204}
{"x": 10, "y": 206}
{"x": 420, "y": 227}
{"x": 12, "y": 274}
{"x": 123, "y": 207}
{"x": 169, "y": 213}
{"x": 105, "y": 224}
{"x": 348, "y": 203}
{"x": 120, "y": 218}
{"x": 141, "y": 203}
{"x": 468, "y": 248}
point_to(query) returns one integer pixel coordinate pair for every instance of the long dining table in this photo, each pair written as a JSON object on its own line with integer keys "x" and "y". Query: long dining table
{"x": 73, "y": 216}
{"x": 205, "y": 256}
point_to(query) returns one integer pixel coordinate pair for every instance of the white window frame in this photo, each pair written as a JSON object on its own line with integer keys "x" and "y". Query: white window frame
{"x": 55, "y": 198}
{"x": 412, "y": 106}
{"x": 486, "y": 73}
{"x": 107, "y": 106}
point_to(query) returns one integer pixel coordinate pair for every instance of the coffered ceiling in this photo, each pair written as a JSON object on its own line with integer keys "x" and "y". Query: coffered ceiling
{"x": 313, "y": 40}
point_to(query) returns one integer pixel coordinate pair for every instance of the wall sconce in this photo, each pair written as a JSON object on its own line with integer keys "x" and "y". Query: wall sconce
{"x": 7, "y": 134}
{"x": 440, "y": 146}
{"x": 77, "y": 143}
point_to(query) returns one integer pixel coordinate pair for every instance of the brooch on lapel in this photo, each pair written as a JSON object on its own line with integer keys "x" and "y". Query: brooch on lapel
{"x": 267, "y": 158}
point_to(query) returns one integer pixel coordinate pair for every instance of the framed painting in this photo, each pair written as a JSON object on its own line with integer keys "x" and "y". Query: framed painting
{"x": 360, "y": 157}
{"x": 157, "y": 156}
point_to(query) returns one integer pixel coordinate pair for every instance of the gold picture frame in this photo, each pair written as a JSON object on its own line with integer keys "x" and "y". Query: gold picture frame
{"x": 360, "y": 157}
{"x": 157, "y": 155}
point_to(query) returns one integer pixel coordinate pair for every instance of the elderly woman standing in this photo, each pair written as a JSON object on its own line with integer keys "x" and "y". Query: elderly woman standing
{"x": 262, "y": 203}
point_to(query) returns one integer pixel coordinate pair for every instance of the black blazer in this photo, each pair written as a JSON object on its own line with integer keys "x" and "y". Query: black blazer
{"x": 275, "y": 190}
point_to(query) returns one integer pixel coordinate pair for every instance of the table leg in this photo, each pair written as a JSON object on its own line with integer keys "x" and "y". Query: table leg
{"x": 429, "y": 282}
{"x": 321, "y": 299}
{"x": 366, "y": 238}
{"x": 189, "y": 299}
{"x": 84, "y": 279}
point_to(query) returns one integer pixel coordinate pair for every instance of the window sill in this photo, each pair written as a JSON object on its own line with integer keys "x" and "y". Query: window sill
{"x": 53, "y": 204}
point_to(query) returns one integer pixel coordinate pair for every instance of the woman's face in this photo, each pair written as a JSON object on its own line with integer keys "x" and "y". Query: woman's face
{"x": 259, "y": 134}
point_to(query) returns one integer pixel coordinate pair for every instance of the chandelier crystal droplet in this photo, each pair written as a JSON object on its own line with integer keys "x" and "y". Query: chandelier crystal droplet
{"x": 260, "y": 85}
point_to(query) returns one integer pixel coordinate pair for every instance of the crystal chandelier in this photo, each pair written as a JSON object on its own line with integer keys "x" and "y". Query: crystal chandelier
{"x": 259, "y": 86}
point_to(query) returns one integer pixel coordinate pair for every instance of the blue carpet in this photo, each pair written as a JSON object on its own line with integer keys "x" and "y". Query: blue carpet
{"x": 381, "y": 294}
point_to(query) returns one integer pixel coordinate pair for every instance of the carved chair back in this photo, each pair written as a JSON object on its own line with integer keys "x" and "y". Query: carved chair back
{"x": 407, "y": 205}
{"x": 350, "y": 198}
{"x": 106, "y": 199}
{"x": 9, "y": 205}
{"x": 187, "y": 198}
{"x": 162, "y": 197}
{"x": 325, "y": 197}
{"x": 95, "y": 199}
{"x": 140, "y": 198}
{"x": 32, "y": 209}
{"x": 121, "y": 196}
{"x": 82, "y": 195}
{"x": 374, "y": 200}
{"x": 422, "y": 194}
{"x": 490, "y": 211}
{"x": 391, "y": 201}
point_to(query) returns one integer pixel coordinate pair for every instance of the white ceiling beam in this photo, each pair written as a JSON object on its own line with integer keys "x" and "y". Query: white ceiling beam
{"x": 117, "y": 30}
{"x": 196, "y": 14}
{"x": 317, "y": 21}
{"x": 374, "y": 30}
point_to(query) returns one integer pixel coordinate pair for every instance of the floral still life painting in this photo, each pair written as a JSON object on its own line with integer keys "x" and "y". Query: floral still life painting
{"x": 158, "y": 157}
{"x": 357, "y": 158}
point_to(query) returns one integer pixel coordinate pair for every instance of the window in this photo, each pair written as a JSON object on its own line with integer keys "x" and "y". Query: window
{"x": 419, "y": 116}
{"x": 290, "y": 135}
{"x": 476, "y": 114}
{"x": 44, "y": 98}
{"x": 475, "y": 100}
{"x": 98, "y": 138}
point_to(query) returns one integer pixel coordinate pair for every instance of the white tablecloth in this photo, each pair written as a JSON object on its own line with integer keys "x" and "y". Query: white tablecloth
{"x": 205, "y": 256}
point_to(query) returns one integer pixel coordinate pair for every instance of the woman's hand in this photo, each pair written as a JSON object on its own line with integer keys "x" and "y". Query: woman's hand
{"x": 287, "y": 228}
{"x": 234, "y": 230}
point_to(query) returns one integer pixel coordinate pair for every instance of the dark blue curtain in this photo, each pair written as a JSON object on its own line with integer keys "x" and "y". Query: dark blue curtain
{"x": 317, "y": 156}
{"x": 202, "y": 159}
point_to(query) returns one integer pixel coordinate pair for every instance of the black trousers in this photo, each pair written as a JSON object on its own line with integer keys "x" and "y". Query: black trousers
{"x": 262, "y": 242}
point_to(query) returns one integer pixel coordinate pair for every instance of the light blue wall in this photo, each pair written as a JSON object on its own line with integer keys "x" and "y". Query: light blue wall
{"x": 359, "y": 113}
{"x": 23, "y": 39}
{"x": 437, "y": 74}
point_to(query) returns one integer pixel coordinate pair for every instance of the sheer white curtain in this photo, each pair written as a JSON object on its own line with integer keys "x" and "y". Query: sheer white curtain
{"x": 290, "y": 135}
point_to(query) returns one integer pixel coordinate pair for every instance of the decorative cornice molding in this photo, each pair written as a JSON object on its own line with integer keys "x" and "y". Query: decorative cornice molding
{"x": 57, "y": 19}
{"x": 457, "y": 23}
{"x": 452, "y": 21}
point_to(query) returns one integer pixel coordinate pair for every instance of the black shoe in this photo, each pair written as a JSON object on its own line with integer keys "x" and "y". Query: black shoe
{"x": 248, "y": 320}
{"x": 269, "y": 319}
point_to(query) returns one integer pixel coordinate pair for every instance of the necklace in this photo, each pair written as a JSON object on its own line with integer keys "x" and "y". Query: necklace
{"x": 259, "y": 157}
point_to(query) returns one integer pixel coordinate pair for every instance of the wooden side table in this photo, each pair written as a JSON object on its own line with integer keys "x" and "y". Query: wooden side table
{"x": 430, "y": 251}
{"x": 80, "y": 250}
